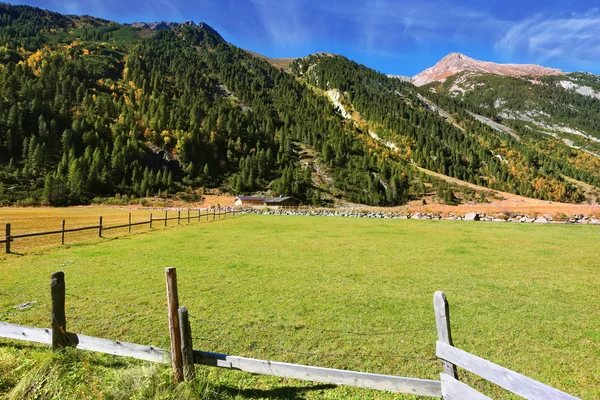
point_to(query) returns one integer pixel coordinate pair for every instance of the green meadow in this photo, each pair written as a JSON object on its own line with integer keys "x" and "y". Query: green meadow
{"x": 334, "y": 292}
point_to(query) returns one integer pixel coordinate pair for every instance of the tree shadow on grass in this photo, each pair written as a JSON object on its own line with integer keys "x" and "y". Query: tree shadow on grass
{"x": 288, "y": 392}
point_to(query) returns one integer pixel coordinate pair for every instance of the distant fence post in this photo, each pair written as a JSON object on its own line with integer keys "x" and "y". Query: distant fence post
{"x": 166, "y": 216}
{"x": 207, "y": 214}
{"x": 174, "y": 328}
{"x": 59, "y": 320}
{"x": 7, "y": 234}
{"x": 129, "y": 228}
{"x": 214, "y": 211}
{"x": 178, "y": 217}
{"x": 100, "y": 227}
{"x": 198, "y": 215}
{"x": 187, "y": 346}
{"x": 150, "y": 220}
{"x": 62, "y": 238}
{"x": 442, "y": 320}
{"x": 188, "y": 215}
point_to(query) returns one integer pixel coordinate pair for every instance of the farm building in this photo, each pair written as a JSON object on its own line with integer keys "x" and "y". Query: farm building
{"x": 249, "y": 201}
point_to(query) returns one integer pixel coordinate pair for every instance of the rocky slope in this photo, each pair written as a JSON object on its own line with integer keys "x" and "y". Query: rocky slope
{"x": 455, "y": 63}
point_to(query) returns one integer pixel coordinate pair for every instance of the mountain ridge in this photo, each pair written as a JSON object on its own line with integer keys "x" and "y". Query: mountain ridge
{"x": 455, "y": 63}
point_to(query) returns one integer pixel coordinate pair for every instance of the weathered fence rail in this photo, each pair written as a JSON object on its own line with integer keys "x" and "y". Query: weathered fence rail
{"x": 10, "y": 237}
{"x": 503, "y": 377}
{"x": 183, "y": 358}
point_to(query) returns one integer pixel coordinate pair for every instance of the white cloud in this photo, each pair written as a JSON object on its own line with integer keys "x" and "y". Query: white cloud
{"x": 575, "y": 39}
{"x": 283, "y": 21}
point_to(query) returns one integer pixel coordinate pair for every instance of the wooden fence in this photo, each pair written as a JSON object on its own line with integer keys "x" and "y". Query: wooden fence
{"x": 183, "y": 358}
{"x": 215, "y": 214}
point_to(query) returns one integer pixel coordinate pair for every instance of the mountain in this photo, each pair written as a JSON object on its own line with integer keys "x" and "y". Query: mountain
{"x": 91, "y": 109}
{"x": 155, "y": 26}
{"x": 455, "y": 63}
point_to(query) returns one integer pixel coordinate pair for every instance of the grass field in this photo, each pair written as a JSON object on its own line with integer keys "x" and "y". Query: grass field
{"x": 526, "y": 297}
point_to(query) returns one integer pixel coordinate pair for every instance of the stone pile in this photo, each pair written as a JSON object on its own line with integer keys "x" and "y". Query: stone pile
{"x": 501, "y": 217}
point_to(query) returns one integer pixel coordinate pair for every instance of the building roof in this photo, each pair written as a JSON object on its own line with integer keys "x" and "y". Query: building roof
{"x": 275, "y": 200}
{"x": 250, "y": 198}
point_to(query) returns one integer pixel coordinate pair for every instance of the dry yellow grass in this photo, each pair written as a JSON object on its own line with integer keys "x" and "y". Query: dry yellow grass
{"x": 42, "y": 219}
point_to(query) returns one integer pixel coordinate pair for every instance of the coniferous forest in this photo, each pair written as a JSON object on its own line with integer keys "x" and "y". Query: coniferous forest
{"x": 91, "y": 109}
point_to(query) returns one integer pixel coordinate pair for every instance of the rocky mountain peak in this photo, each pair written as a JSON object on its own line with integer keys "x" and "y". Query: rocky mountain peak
{"x": 455, "y": 63}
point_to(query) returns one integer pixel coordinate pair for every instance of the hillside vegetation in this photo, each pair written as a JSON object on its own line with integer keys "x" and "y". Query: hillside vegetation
{"x": 92, "y": 109}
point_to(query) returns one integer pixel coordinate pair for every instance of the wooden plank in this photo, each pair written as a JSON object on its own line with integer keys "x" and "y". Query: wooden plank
{"x": 187, "y": 345}
{"x": 59, "y": 319}
{"x": 504, "y": 377}
{"x": 118, "y": 348}
{"x": 442, "y": 321}
{"x": 100, "y": 227}
{"x": 174, "y": 329}
{"x": 106, "y": 228}
{"x": 26, "y": 333}
{"x": 419, "y": 387}
{"x": 83, "y": 228}
{"x": 142, "y": 223}
{"x": 83, "y": 342}
{"x": 33, "y": 234}
{"x": 456, "y": 390}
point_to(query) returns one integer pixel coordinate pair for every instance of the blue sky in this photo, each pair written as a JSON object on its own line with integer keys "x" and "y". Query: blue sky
{"x": 395, "y": 37}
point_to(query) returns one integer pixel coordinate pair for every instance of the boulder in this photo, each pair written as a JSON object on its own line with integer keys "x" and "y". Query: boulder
{"x": 471, "y": 216}
{"x": 540, "y": 220}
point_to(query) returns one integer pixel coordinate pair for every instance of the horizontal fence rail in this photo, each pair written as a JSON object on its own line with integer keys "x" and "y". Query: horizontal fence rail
{"x": 83, "y": 342}
{"x": 215, "y": 214}
{"x": 503, "y": 377}
{"x": 419, "y": 387}
{"x": 390, "y": 383}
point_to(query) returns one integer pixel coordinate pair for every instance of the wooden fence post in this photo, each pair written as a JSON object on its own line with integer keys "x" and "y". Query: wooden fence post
{"x": 442, "y": 320}
{"x": 207, "y": 214}
{"x": 129, "y": 228}
{"x": 150, "y": 220}
{"x": 188, "y": 215}
{"x": 187, "y": 346}
{"x": 178, "y": 216}
{"x": 174, "y": 329}
{"x": 100, "y": 227}
{"x": 59, "y": 320}
{"x": 198, "y": 215}
{"x": 214, "y": 211}
{"x": 166, "y": 216}
{"x": 7, "y": 234}
{"x": 62, "y": 238}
